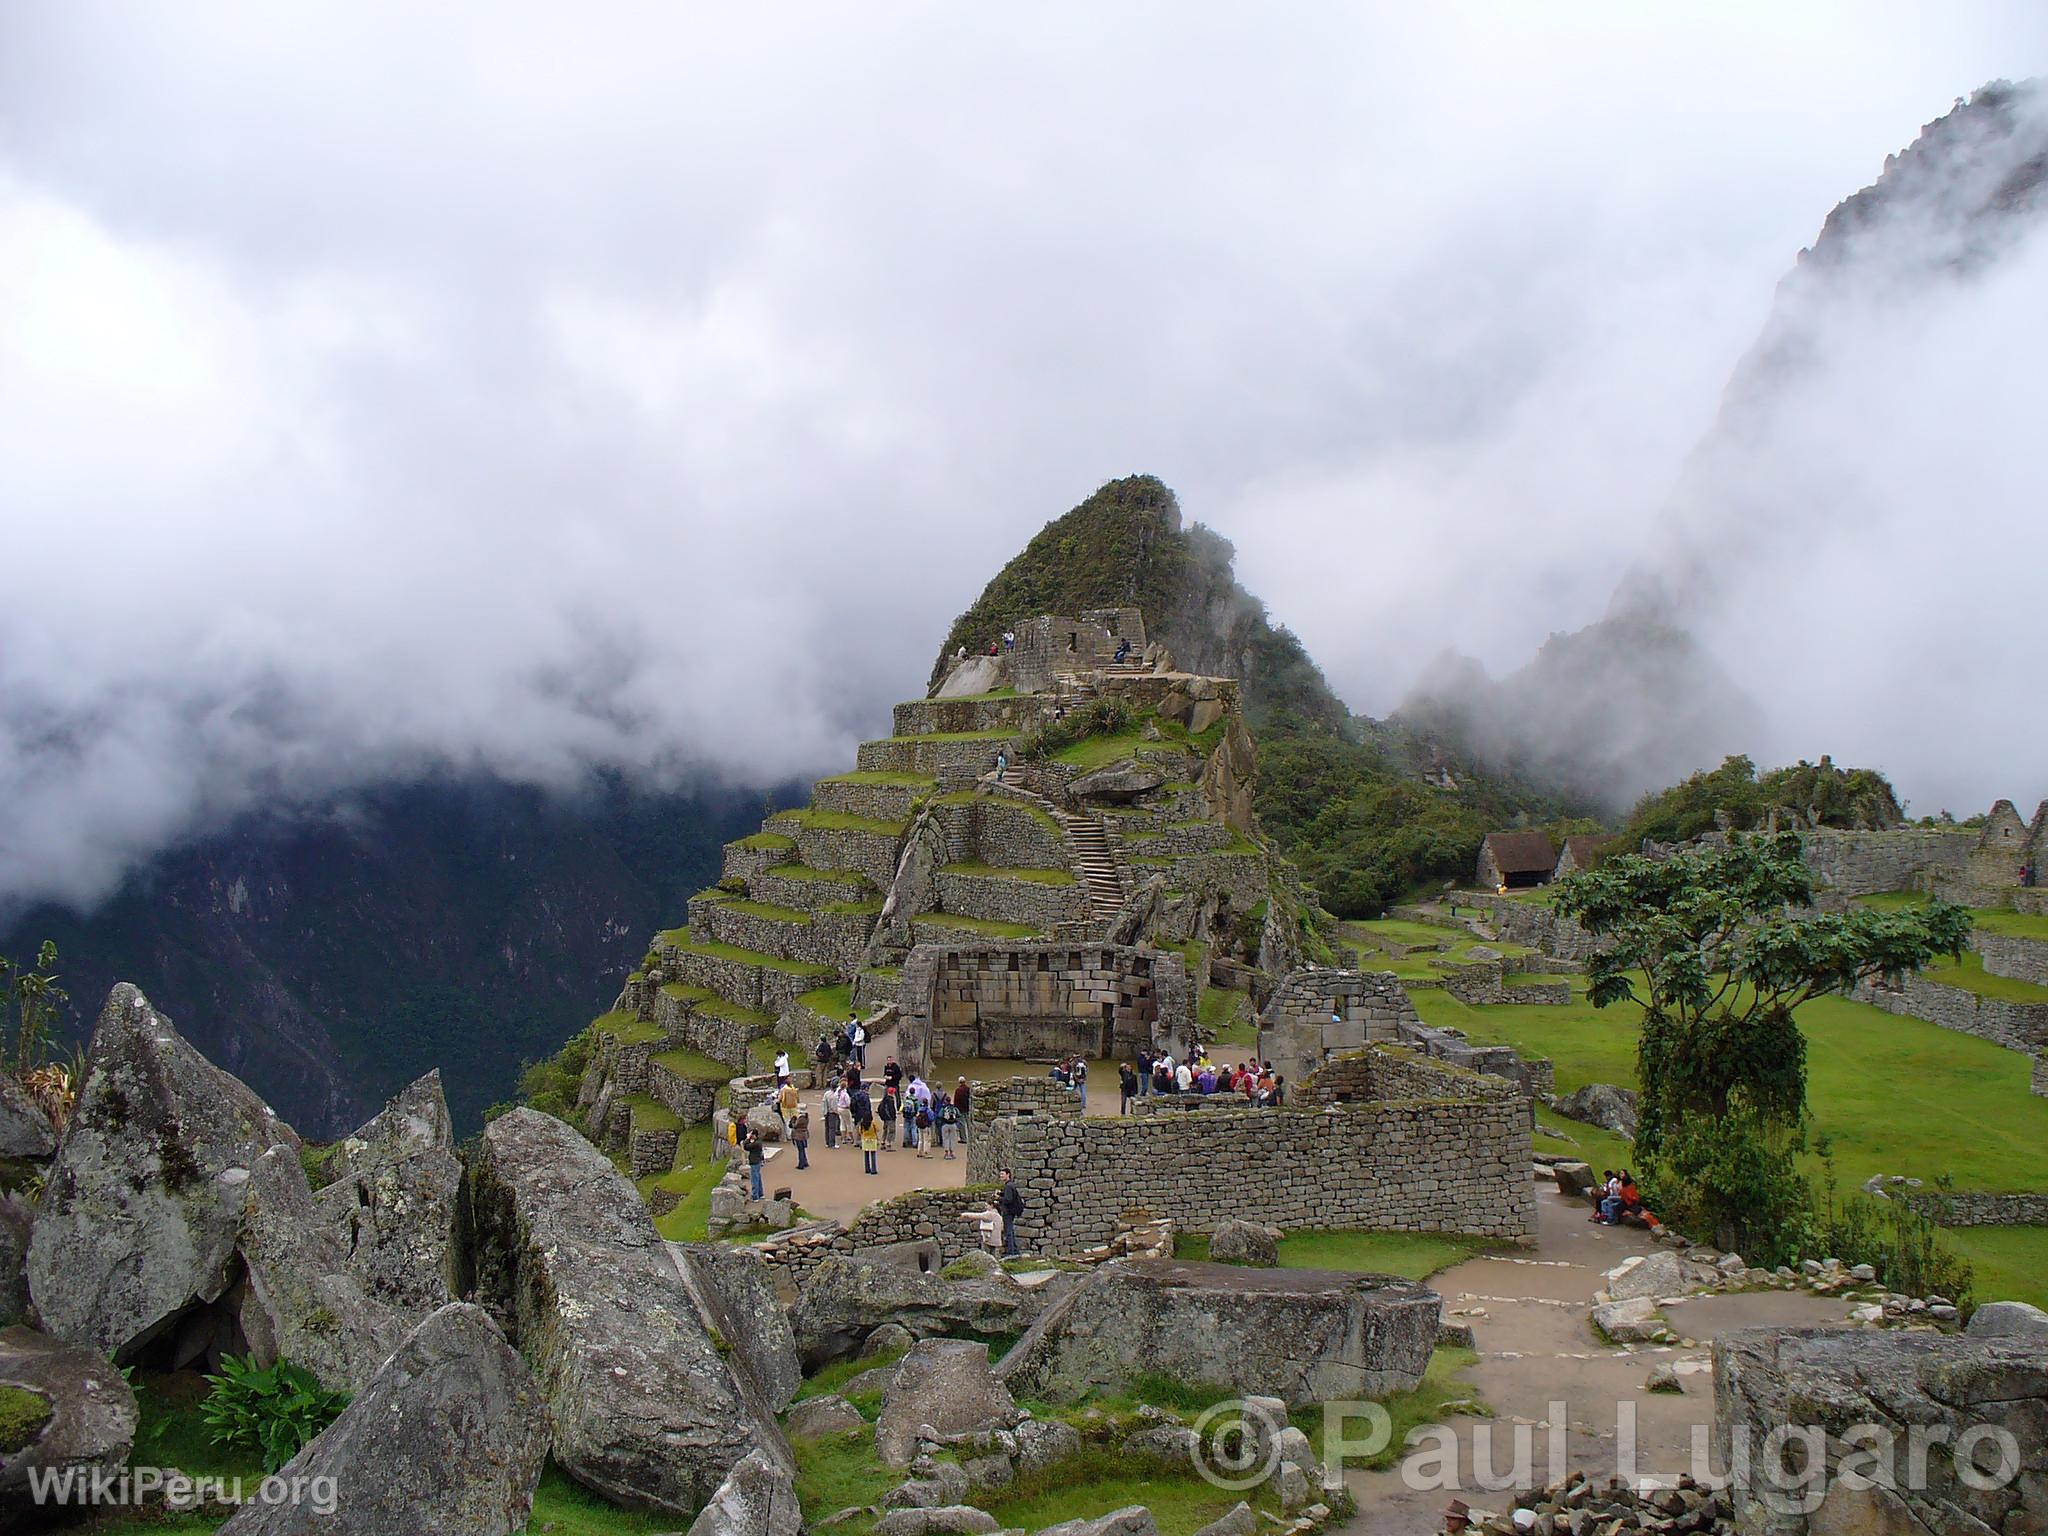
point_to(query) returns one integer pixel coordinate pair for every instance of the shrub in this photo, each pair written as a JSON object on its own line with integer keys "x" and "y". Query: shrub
{"x": 1733, "y": 1175}
{"x": 1899, "y": 1242}
{"x": 274, "y": 1409}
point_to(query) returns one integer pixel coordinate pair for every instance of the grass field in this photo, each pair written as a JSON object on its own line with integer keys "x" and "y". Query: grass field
{"x": 1411, "y": 1255}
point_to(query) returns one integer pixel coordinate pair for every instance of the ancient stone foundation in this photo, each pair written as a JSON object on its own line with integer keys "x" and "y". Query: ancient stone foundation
{"x": 1320, "y": 1336}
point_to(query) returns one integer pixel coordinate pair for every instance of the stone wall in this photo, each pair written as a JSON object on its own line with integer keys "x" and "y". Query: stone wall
{"x": 1039, "y": 903}
{"x": 2018, "y": 1026}
{"x": 1040, "y": 999}
{"x": 766, "y": 989}
{"x": 923, "y": 1215}
{"x": 1179, "y": 839}
{"x": 950, "y": 760}
{"x": 1008, "y": 834}
{"x": 939, "y": 717}
{"x": 1533, "y": 924}
{"x": 1432, "y": 1164}
{"x": 2005, "y": 955}
{"x": 1297, "y": 1030}
{"x": 1978, "y": 1210}
{"x": 1864, "y": 863}
{"x": 691, "y": 1100}
{"x": 866, "y": 851}
{"x": 1533, "y": 1077}
{"x": 878, "y": 802}
{"x": 835, "y": 939}
{"x": 2040, "y": 1084}
{"x": 722, "y": 1039}
{"x": 1397, "y": 1072}
{"x": 747, "y": 856}
{"x": 1049, "y": 644}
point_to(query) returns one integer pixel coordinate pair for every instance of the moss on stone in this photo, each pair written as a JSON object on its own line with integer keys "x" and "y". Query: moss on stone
{"x": 834, "y": 1002}
{"x": 679, "y": 940}
{"x": 22, "y": 1416}
{"x": 840, "y": 821}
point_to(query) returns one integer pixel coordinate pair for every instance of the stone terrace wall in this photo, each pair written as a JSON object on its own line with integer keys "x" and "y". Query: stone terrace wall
{"x": 1297, "y": 1032}
{"x": 1421, "y": 1165}
{"x": 1979, "y": 1210}
{"x": 2017, "y": 1026}
{"x": 2020, "y": 959}
{"x": 721, "y": 1039}
{"x": 1533, "y": 924}
{"x": 921, "y": 1215}
{"x": 1012, "y": 901}
{"x": 1393, "y": 1072}
{"x": 1050, "y": 644}
{"x": 1534, "y": 1077}
{"x": 1004, "y": 833}
{"x": 1864, "y": 863}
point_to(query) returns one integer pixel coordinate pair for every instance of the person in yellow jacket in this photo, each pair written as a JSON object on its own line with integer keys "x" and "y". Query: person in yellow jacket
{"x": 870, "y": 1143}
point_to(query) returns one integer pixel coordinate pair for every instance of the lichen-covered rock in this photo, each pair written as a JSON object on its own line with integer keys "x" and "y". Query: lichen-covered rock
{"x": 1658, "y": 1275}
{"x": 816, "y": 1417}
{"x": 1327, "y": 1335}
{"x": 947, "y": 1385}
{"x": 1123, "y": 780}
{"x": 1239, "y": 1521}
{"x": 1173, "y": 1445}
{"x": 946, "y": 1520}
{"x": 447, "y": 1439}
{"x": 757, "y": 1498}
{"x": 1635, "y": 1321}
{"x": 1042, "y": 1442}
{"x": 392, "y": 1199}
{"x": 1603, "y": 1104}
{"x": 25, "y": 1131}
{"x": 142, "y": 1211}
{"x": 647, "y": 1412}
{"x": 1132, "y": 1520}
{"x": 15, "y": 1217}
{"x": 890, "y": 1338}
{"x": 1231, "y": 775}
{"x": 738, "y": 1300}
{"x": 2008, "y": 1320}
{"x": 1245, "y": 1242}
{"x": 92, "y": 1412}
{"x": 846, "y": 1298}
{"x": 943, "y": 1483}
{"x": 301, "y": 1302}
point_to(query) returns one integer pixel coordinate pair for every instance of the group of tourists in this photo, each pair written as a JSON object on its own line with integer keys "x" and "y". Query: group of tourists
{"x": 874, "y": 1116}
{"x": 848, "y": 1046}
{"x": 1618, "y": 1199}
{"x": 1254, "y": 1082}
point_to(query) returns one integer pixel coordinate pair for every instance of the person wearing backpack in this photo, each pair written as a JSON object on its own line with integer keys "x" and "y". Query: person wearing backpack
{"x": 754, "y": 1157}
{"x": 1010, "y": 1204}
{"x": 870, "y": 1144}
{"x": 949, "y": 1126}
{"x": 800, "y": 1135}
{"x": 887, "y": 1112}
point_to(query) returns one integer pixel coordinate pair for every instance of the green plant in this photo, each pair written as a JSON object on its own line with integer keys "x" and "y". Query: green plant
{"x": 275, "y": 1409}
{"x": 31, "y": 993}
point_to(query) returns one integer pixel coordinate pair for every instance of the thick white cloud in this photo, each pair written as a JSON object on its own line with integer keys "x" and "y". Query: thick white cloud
{"x": 528, "y": 387}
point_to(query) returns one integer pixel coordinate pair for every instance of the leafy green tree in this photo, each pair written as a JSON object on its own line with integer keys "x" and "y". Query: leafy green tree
{"x": 1721, "y": 946}
{"x": 31, "y": 994}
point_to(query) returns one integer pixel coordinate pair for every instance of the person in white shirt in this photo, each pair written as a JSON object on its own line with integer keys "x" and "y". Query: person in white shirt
{"x": 1183, "y": 1079}
{"x": 831, "y": 1104}
{"x": 860, "y": 1044}
{"x": 782, "y": 1066}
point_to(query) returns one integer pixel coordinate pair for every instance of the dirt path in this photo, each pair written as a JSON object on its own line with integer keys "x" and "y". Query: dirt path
{"x": 1553, "y": 1384}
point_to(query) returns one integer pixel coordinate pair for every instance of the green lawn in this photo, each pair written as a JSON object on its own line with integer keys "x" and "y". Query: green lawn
{"x": 764, "y": 841}
{"x": 693, "y": 1066}
{"x": 625, "y": 1028}
{"x": 1411, "y": 1255}
{"x": 2002, "y": 920}
{"x": 2007, "y": 1262}
{"x": 852, "y": 877}
{"x": 1969, "y": 974}
{"x": 834, "y": 1002}
{"x": 692, "y": 1179}
{"x": 1401, "y": 931}
{"x": 650, "y": 1115}
{"x": 1229, "y": 1016}
{"x": 885, "y": 777}
{"x": 679, "y": 939}
{"x": 762, "y": 909}
{"x": 841, "y": 821}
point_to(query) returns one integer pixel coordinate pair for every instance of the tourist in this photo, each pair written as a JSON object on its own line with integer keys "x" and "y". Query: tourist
{"x": 1127, "y": 1085}
{"x": 826, "y": 1051}
{"x": 1059, "y": 1073}
{"x": 963, "y": 1101}
{"x": 860, "y": 1105}
{"x": 786, "y": 1099}
{"x": 1631, "y": 1197}
{"x": 949, "y": 1126}
{"x": 1123, "y": 649}
{"x": 800, "y": 1136}
{"x": 992, "y": 648}
{"x": 870, "y": 1143}
{"x": 1144, "y": 1071}
{"x": 782, "y": 1066}
{"x": 752, "y": 1147}
{"x": 1162, "y": 1074}
{"x": 921, "y": 1121}
{"x": 1010, "y": 1203}
{"x": 886, "y": 1110}
{"x": 1009, "y": 639}
{"x": 1183, "y": 1079}
{"x": 857, "y": 1040}
{"x": 1279, "y": 1091}
{"x": 892, "y": 1074}
{"x": 1609, "y": 1198}
{"x": 1002, "y": 761}
{"x": 830, "y": 1102}
{"x": 1077, "y": 1078}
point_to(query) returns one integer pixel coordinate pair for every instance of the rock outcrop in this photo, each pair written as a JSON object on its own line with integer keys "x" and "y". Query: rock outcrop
{"x": 155, "y": 1228}
{"x": 847, "y": 1298}
{"x": 943, "y": 1384}
{"x": 1603, "y": 1104}
{"x": 1120, "y": 781}
{"x": 393, "y": 1200}
{"x": 15, "y": 1217}
{"x": 447, "y": 1439}
{"x": 757, "y": 1498}
{"x": 92, "y": 1419}
{"x": 1245, "y": 1242}
{"x": 738, "y": 1301}
{"x": 1230, "y": 777}
{"x": 2008, "y": 1320}
{"x": 647, "y": 1411}
{"x": 1326, "y": 1335}
{"x": 25, "y": 1131}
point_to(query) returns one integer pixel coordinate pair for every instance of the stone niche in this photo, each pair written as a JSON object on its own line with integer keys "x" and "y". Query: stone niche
{"x": 1026, "y": 1001}
{"x": 1301, "y": 1335}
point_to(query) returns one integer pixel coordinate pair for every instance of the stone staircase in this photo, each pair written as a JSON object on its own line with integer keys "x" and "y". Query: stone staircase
{"x": 1093, "y": 861}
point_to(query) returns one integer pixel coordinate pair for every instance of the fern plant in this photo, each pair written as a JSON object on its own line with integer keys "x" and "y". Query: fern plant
{"x": 275, "y": 1409}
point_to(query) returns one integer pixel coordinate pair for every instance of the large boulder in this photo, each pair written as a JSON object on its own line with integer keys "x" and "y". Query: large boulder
{"x": 91, "y": 1423}
{"x": 1603, "y": 1104}
{"x": 142, "y": 1212}
{"x": 737, "y": 1299}
{"x": 299, "y": 1300}
{"x": 15, "y": 1217}
{"x": 757, "y": 1498}
{"x": 25, "y": 1131}
{"x": 1230, "y": 777}
{"x": 1635, "y": 1321}
{"x": 447, "y": 1439}
{"x": 1346, "y": 1335}
{"x": 945, "y": 1384}
{"x": 846, "y": 1298}
{"x": 2008, "y": 1320}
{"x": 1131, "y": 1520}
{"x": 1659, "y": 1276}
{"x": 1124, "y": 780}
{"x": 1889, "y": 1395}
{"x": 393, "y": 1198}
{"x": 1245, "y": 1242}
{"x": 647, "y": 1411}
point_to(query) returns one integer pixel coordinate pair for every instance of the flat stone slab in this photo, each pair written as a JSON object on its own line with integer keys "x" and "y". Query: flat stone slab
{"x": 1322, "y": 1334}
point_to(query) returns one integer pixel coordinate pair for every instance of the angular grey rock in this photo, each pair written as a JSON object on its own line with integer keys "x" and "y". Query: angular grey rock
{"x": 1240, "y": 1521}
{"x": 1124, "y": 780}
{"x": 1292, "y": 1486}
{"x": 1603, "y": 1104}
{"x": 1348, "y": 1335}
{"x": 92, "y": 1413}
{"x": 757, "y": 1498}
{"x": 15, "y": 1220}
{"x": 25, "y": 1131}
{"x": 142, "y": 1210}
{"x": 1245, "y": 1242}
{"x": 393, "y": 1201}
{"x": 946, "y": 1384}
{"x": 816, "y": 1417}
{"x": 447, "y": 1439}
{"x": 1663, "y": 1378}
{"x": 890, "y": 1338}
{"x": 1042, "y": 1442}
{"x": 975, "y": 1264}
{"x": 989, "y": 1471}
{"x": 646, "y": 1411}
{"x": 301, "y": 1302}
{"x": 874, "y": 1380}
{"x": 1655, "y": 1275}
{"x": 738, "y": 1300}
{"x": 1573, "y": 1178}
{"x": 845, "y": 1298}
{"x": 1169, "y": 1444}
{"x": 1629, "y": 1322}
{"x": 942, "y": 1484}
{"x": 1131, "y": 1520}
{"x": 2007, "y": 1320}
{"x": 947, "y": 1520}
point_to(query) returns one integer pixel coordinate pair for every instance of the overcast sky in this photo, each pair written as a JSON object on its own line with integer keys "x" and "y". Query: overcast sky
{"x": 533, "y": 386}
